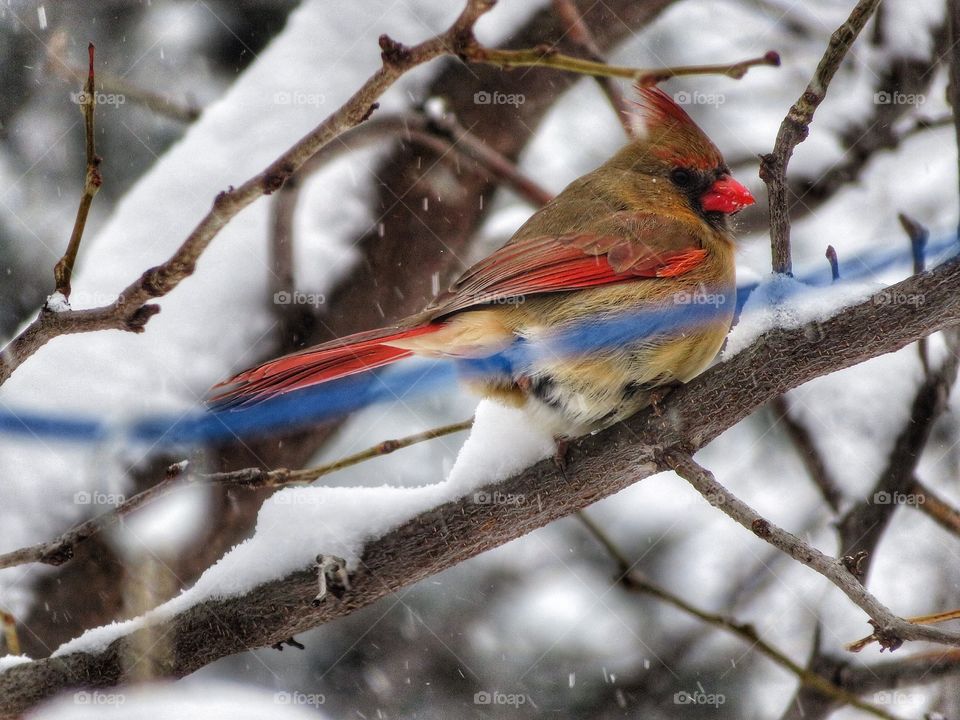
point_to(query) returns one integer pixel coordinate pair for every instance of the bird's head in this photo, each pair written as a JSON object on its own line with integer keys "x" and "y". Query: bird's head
{"x": 677, "y": 158}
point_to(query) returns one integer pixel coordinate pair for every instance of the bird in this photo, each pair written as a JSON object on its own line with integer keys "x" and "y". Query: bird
{"x": 648, "y": 229}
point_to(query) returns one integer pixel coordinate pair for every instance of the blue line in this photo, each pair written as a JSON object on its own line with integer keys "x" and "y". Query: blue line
{"x": 340, "y": 397}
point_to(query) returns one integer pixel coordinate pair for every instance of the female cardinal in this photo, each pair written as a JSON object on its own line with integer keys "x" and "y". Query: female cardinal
{"x": 646, "y": 230}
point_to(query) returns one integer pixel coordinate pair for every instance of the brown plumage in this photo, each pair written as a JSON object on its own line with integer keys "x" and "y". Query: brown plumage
{"x": 645, "y": 230}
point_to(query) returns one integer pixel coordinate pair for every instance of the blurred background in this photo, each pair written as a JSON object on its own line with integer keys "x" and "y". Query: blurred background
{"x": 205, "y": 93}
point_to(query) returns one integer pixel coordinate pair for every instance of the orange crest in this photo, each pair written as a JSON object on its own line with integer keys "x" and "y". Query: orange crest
{"x": 673, "y": 135}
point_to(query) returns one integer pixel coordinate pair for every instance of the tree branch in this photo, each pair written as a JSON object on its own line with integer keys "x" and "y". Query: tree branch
{"x": 131, "y": 310}
{"x": 795, "y": 128}
{"x": 637, "y": 582}
{"x": 61, "y": 549}
{"x": 63, "y": 271}
{"x": 598, "y": 466}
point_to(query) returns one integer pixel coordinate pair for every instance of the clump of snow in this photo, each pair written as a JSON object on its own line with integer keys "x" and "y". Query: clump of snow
{"x": 9, "y": 661}
{"x": 57, "y": 302}
{"x": 783, "y": 302}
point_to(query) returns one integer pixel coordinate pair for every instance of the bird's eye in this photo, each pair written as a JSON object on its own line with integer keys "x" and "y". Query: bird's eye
{"x": 681, "y": 177}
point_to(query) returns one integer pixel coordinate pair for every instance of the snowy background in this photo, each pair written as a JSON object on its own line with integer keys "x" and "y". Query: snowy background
{"x": 540, "y": 619}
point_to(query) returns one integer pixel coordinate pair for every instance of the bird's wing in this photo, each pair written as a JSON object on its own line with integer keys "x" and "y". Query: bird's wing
{"x": 651, "y": 247}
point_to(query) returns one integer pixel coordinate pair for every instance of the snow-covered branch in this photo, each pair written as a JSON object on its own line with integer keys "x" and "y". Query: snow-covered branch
{"x": 598, "y": 466}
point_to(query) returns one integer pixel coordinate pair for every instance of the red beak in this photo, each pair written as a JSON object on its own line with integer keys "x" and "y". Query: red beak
{"x": 726, "y": 195}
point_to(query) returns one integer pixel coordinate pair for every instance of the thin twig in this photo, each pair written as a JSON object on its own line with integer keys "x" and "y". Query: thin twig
{"x": 548, "y": 57}
{"x": 862, "y": 527}
{"x": 930, "y": 619}
{"x": 918, "y": 235}
{"x": 117, "y": 86}
{"x": 809, "y": 454}
{"x": 795, "y": 128}
{"x": 63, "y": 271}
{"x": 576, "y": 29}
{"x": 636, "y": 581}
{"x": 61, "y": 549}
{"x": 494, "y": 163}
{"x": 891, "y": 630}
{"x": 936, "y": 508}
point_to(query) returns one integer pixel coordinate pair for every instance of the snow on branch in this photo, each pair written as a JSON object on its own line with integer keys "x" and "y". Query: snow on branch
{"x": 598, "y": 466}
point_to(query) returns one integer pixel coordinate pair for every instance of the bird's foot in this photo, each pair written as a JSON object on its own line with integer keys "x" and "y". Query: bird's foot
{"x": 560, "y": 453}
{"x": 332, "y": 577}
{"x": 659, "y": 394}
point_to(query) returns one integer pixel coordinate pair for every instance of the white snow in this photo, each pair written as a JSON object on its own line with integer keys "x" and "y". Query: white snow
{"x": 783, "y": 302}
{"x": 123, "y": 375}
{"x": 57, "y": 302}
{"x": 853, "y": 415}
{"x": 298, "y": 523}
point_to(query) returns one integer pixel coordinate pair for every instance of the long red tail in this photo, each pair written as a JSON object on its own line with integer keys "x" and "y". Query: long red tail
{"x": 318, "y": 364}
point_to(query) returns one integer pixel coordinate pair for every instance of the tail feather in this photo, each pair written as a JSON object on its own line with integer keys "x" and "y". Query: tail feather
{"x": 339, "y": 358}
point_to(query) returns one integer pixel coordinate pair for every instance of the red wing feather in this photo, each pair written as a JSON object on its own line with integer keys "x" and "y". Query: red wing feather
{"x": 337, "y": 359}
{"x": 557, "y": 264}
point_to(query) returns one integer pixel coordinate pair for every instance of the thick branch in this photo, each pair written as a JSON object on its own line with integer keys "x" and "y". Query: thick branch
{"x": 597, "y": 467}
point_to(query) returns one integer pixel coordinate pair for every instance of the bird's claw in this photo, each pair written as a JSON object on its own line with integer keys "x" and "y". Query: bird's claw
{"x": 658, "y": 395}
{"x": 332, "y": 577}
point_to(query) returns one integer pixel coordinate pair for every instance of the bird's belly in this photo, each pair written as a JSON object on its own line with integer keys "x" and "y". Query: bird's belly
{"x": 582, "y": 394}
